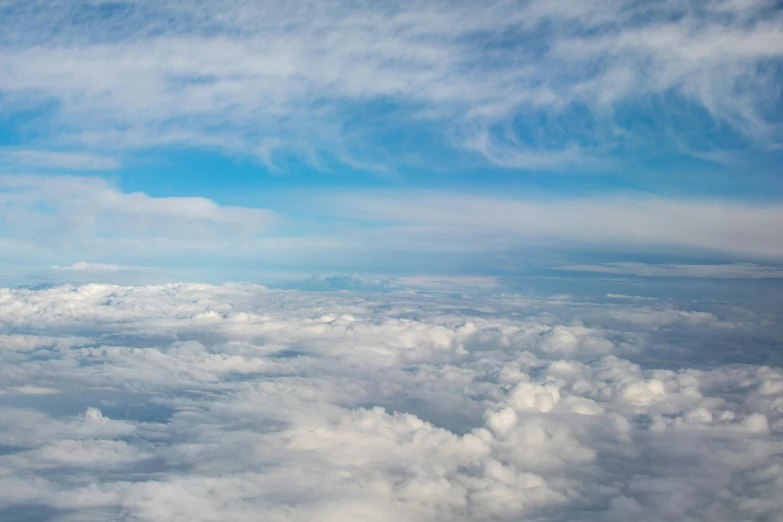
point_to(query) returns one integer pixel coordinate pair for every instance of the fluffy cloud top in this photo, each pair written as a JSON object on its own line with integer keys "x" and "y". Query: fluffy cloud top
{"x": 203, "y": 403}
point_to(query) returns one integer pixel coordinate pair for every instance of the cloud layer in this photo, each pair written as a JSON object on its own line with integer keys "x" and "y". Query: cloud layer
{"x": 85, "y": 214}
{"x": 74, "y": 218}
{"x": 462, "y": 222}
{"x": 257, "y": 78}
{"x": 734, "y": 270}
{"x": 202, "y": 403}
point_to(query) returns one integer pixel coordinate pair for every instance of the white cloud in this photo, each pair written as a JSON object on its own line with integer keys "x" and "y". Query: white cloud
{"x": 353, "y": 282}
{"x": 72, "y": 212}
{"x": 93, "y": 454}
{"x": 420, "y": 283}
{"x": 463, "y": 223}
{"x": 83, "y": 265}
{"x": 450, "y": 284}
{"x": 623, "y": 296}
{"x": 732, "y": 270}
{"x": 30, "y": 390}
{"x": 58, "y": 160}
{"x": 520, "y": 156}
{"x": 202, "y": 403}
{"x": 219, "y": 74}
{"x": 77, "y": 217}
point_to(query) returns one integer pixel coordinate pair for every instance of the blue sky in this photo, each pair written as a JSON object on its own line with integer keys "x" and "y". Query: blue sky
{"x": 260, "y": 140}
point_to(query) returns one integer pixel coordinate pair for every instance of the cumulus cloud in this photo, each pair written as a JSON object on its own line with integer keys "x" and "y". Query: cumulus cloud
{"x": 205, "y": 403}
{"x": 220, "y": 74}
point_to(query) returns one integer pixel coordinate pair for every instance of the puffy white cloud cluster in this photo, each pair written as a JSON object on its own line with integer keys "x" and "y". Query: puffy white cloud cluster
{"x": 236, "y": 402}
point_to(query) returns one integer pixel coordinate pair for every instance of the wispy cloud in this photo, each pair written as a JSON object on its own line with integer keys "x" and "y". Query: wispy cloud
{"x": 57, "y": 160}
{"x": 84, "y": 266}
{"x": 450, "y": 284}
{"x": 221, "y": 74}
{"x": 730, "y": 270}
{"x": 465, "y": 223}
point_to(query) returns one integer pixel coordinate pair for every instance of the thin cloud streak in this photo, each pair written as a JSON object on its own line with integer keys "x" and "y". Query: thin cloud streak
{"x": 85, "y": 266}
{"x": 730, "y": 271}
{"x": 461, "y": 222}
{"x": 58, "y": 160}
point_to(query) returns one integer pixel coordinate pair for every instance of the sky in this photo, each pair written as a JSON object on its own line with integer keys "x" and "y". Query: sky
{"x": 369, "y": 261}
{"x": 258, "y": 141}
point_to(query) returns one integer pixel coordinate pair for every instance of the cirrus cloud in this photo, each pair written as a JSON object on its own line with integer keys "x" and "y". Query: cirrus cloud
{"x": 221, "y": 74}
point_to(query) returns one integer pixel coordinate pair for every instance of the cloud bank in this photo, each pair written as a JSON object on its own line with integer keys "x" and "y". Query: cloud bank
{"x": 76, "y": 217}
{"x": 204, "y": 403}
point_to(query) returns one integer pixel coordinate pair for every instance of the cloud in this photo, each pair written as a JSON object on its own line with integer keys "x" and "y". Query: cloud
{"x": 450, "y": 284}
{"x": 354, "y": 283}
{"x": 220, "y": 74}
{"x": 623, "y": 296}
{"x": 75, "y": 217}
{"x": 84, "y": 216}
{"x": 463, "y": 223}
{"x": 72, "y": 213}
{"x": 58, "y": 160}
{"x": 31, "y": 390}
{"x": 519, "y": 156}
{"x": 418, "y": 283}
{"x": 200, "y": 403}
{"x": 733, "y": 270}
{"x": 83, "y": 265}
